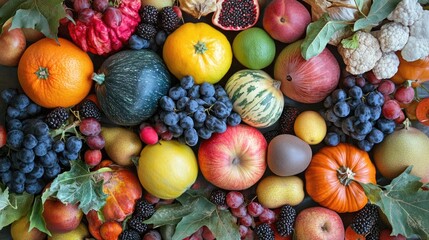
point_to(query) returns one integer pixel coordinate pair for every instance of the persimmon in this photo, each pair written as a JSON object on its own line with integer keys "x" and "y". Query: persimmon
{"x": 55, "y": 74}
{"x": 422, "y": 111}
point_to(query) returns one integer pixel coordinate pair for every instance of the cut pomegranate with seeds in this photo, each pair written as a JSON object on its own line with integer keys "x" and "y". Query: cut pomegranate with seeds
{"x": 236, "y": 15}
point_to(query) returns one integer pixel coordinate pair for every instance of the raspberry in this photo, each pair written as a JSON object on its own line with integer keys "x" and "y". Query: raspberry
{"x": 57, "y": 117}
{"x": 264, "y": 232}
{"x": 148, "y": 135}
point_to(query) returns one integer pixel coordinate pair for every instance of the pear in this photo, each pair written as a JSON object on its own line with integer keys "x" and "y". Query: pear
{"x": 122, "y": 145}
{"x": 81, "y": 232}
{"x": 159, "y": 4}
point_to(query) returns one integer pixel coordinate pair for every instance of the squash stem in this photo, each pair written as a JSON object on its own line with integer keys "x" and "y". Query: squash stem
{"x": 200, "y": 47}
{"x": 98, "y": 78}
{"x": 345, "y": 175}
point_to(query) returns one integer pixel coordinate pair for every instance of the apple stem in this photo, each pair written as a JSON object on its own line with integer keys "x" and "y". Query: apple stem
{"x": 289, "y": 78}
{"x": 345, "y": 175}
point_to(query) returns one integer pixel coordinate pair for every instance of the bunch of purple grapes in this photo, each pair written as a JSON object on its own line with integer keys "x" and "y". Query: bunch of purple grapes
{"x": 192, "y": 111}
{"x": 355, "y": 112}
{"x": 85, "y": 10}
{"x": 34, "y": 158}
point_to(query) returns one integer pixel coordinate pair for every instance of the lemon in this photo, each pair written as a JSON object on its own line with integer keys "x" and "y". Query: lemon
{"x": 167, "y": 169}
{"x": 310, "y": 127}
{"x": 254, "y": 48}
{"x": 275, "y": 191}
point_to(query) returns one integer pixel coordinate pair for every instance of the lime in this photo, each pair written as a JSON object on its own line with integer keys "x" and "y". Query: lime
{"x": 254, "y": 48}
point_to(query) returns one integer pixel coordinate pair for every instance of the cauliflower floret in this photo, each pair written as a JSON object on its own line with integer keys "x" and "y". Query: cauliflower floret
{"x": 363, "y": 58}
{"x": 393, "y": 36}
{"x": 386, "y": 66}
{"x": 406, "y": 12}
{"x": 415, "y": 49}
{"x": 417, "y": 46}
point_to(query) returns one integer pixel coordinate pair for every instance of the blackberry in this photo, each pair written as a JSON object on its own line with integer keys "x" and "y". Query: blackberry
{"x": 218, "y": 197}
{"x": 365, "y": 219}
{"x": 136, "y": 223}
{"x": 144, "y": 209}
{"x": 129, "y": 234}
{"x": 284, "y": 223}
{"x": 146, "y": 31}
{"x": 168, "y": 19}
{"x": 264, "y": 232}
{"x": 57, "y": 117}
{"x": 374, "y": 234}
{"x": 149, "y": 14}
{"x": 287, "y": 119}
{"x": 89, "y": 109}
{"x": 271, "y": 134}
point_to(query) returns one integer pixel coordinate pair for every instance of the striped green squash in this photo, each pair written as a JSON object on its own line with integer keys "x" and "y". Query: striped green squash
{"x": 256, "y": 97}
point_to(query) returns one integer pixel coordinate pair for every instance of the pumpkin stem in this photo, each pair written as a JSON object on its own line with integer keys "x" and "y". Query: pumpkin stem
{"x": 42, "y": 73}
{"x": 345, "y": 175}
{"x": 98, "y": 78}
{"x": 200, "y": 47}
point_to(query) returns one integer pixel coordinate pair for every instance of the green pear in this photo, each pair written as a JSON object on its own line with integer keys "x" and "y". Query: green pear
{"x": 158, "y": 3}
{"x": 122, "y": 145}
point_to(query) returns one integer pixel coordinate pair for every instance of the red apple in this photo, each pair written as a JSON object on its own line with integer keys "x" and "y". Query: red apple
{"x": 3, "y": 135}
{"x": 12, "y": 45}
{"x": 385, "y": 235}
{"x": 286, "y": 20}
{"x": 306, "y": 81}
{"x": 60, "y": 217}
{"x": 318, "y": 223}
{"x": 234, "y": 159}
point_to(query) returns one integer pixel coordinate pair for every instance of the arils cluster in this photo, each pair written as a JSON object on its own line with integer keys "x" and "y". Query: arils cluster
{"x": 236, "y": 15}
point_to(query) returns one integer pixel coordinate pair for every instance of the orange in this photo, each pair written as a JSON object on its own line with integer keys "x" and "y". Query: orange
{"x": 55, "y": 74}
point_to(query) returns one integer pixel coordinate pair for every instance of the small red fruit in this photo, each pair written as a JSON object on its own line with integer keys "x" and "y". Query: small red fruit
{"x": 92, "y": 157}
{"x": 3, "y": 135}
{"x": 422, "y": 111}
{"x": 178, "y": 11}
{"x": 148, "y": 135}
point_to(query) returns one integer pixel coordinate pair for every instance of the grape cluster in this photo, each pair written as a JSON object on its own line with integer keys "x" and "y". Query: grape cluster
{"x": 192, "y": 111}
{"x": 90, "y": 128}
{"x": 354, "y": 112}
{"x": 251, "y": 214}
{"x": 34, "y": 157}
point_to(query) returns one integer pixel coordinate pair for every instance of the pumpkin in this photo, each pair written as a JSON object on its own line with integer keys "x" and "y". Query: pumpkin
{"x": 256, "y": 97}
{"x": 55, "y": 74}
{"x": 333, "y": 176}
{"x": 123, "y": 189}
{"x": 199, "y": 50}
{"x": 417, "y": 71}
{"x": 129, "y": 85}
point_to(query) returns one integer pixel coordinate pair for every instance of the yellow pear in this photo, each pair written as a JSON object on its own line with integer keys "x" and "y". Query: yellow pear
{"x": 78, "y": 233}
{"x": 275, "y": 191}
{"x": 19, "y": 230}
{"x": 122, "y": 145}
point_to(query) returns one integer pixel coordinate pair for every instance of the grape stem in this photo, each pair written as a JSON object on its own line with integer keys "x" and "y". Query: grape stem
{"x": 69, "y": 128}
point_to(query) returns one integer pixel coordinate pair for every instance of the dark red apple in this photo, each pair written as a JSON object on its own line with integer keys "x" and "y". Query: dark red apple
{"x": 60, "y": 217}
{"x": 286, "y": 20}
{"x": 234, "y": 159}
{"x": 12, "y": 45}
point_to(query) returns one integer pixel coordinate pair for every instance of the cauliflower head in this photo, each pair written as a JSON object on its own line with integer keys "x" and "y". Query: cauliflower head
{"x": 393, "y": 36}
{"x": 406, "y": 12}
{"x": 386, "y": 66}
{"x": 417, "y": 46}
{"x": 363, "y": 58}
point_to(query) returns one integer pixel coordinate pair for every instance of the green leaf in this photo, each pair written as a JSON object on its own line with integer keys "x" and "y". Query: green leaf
{"x": 42, "y": 15}
{"x": 191, "y": 213}
{"x": 351, "y": 42}
{"x": 20, "y": 205}
{"x": 405, "y": 204}
{"x": 379, "y": 10}
{"x": 318, "y": 35}
{"x": 36, "y": 219}
{"x": 4, "y": 199}
{"x": 359, "y": 4}
{"x": 79, "y": 186}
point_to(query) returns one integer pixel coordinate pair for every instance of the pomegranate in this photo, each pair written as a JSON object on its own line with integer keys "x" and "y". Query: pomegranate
{"x": 236, "y": 15}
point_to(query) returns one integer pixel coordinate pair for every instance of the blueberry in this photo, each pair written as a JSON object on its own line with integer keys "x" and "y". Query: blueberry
{"x": 136, "y": 42}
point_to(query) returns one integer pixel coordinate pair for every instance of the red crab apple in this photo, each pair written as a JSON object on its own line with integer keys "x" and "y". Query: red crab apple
{"x": 60, "y": 217}
{"x": 286, "y": 20}
{"x": 318, "y": 223}
{"x": 234, "y": 159}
